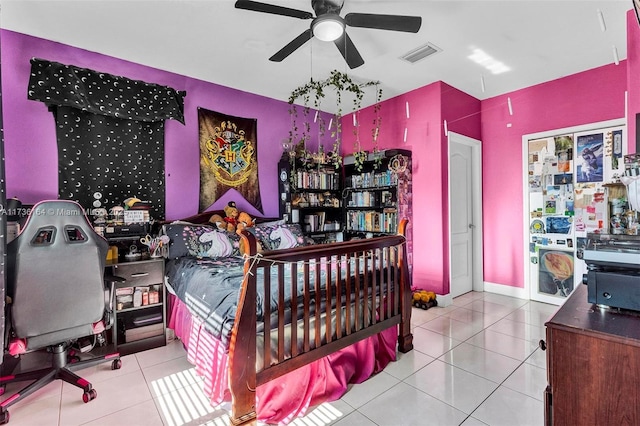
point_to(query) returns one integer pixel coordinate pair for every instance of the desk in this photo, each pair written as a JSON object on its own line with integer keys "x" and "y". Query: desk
{"x": 593, "y": 365}
{"x": 143, "y": 326}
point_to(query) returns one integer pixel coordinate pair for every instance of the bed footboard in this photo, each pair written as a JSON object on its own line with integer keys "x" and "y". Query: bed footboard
{"x": 316, "y": 300}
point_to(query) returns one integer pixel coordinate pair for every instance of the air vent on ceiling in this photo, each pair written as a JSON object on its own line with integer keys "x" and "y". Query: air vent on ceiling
{"x": 420, "y": 53}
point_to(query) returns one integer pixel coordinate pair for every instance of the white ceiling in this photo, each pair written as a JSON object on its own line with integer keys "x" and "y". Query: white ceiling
{"x": 212, "y": 41}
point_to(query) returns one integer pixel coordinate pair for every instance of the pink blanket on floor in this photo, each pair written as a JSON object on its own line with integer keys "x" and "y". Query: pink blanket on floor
{"x": 283, "y": 399}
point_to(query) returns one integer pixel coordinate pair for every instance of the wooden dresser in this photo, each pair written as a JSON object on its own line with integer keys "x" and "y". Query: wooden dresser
{"x": 593, "y": 365}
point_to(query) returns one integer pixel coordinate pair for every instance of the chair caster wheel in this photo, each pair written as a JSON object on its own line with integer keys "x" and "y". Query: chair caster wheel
{"x": 4, "y": 417}
{"x": 116, "y": 364}
{"x": 89, "y": 395}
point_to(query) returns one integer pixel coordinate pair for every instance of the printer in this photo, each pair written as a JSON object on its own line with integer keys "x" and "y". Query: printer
{"x": 613, "y": 270}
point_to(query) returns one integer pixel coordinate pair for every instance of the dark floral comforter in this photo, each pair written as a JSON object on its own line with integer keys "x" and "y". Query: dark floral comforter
{"x": 211, "y": 289}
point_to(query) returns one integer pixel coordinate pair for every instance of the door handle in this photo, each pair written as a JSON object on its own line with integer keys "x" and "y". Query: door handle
{"x": 471, "y": 226}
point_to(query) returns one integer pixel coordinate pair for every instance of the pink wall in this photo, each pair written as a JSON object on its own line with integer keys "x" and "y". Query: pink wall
{"x": 428, "y": 107}
{"x": 591, "y": 96}
{"x": 30, "y": 140}
{"x": 633, "y": 75}
{"x": 583, "y": 98}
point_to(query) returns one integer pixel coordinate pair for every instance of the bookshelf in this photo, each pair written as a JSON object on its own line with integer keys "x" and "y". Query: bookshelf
{"x": 378, "y": 195}
{"x": 311, "y": 196}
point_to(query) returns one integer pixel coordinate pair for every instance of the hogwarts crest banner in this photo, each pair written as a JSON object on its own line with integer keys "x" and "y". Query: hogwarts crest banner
{"x": 228, "y": 158}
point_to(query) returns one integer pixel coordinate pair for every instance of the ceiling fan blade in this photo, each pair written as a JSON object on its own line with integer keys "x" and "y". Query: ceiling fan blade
{"x": 409, "y": 24}
{"x": 292, "y": 46}
{"x": 349, "y": 51}
{"x": 273, "y": 9}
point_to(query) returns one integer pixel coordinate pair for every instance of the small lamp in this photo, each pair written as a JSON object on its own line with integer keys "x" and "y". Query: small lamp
{"x": 328, "y": 27}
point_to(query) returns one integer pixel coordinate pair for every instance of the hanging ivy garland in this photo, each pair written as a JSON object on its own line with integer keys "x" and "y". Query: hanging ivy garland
{"x": 315, "y": 91}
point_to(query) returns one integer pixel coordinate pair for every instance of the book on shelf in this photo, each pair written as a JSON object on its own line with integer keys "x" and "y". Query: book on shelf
{"x": 311, "y": 222}
{"x": 324, "y": 178}
{"x": 321, "y": 218}
{"x": 373, "y": 221}
{"x": 315, "y": 222}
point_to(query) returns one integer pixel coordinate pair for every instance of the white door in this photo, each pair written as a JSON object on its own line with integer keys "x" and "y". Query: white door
{"x": 461, "y": 217}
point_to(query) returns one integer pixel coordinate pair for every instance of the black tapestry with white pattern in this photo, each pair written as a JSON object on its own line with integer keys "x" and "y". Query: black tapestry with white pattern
{"x": 110, "y": 133}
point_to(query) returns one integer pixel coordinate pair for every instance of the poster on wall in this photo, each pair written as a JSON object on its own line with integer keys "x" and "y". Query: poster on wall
{"x": 228, "y": 158}
{"x": 535, "y": 183}
{"x": 564, "y": 152}
{"x": 589, "y": 158}
{"x": 555, "y": 272}
{"x": 617, "y": 144}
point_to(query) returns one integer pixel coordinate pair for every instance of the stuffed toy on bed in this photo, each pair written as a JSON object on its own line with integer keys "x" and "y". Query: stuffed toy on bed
{"x": 218, "y": 222}
{"x": 231, "y": 216}
{"x": 244, "y": 221}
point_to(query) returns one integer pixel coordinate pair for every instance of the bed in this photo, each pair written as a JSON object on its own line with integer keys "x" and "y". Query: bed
{"x": 278, "y": 330}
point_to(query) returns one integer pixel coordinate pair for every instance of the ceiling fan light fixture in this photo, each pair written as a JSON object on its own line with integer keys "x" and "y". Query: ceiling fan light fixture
{"x": 328, "y": 27}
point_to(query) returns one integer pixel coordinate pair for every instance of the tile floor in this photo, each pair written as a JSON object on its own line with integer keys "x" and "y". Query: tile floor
{"x": 476, "y": 362}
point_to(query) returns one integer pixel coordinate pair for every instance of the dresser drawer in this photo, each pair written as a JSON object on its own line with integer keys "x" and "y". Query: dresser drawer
{"x": 140, "y": 273}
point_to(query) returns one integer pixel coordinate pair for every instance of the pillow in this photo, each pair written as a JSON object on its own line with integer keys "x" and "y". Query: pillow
{"x": 183, "y": 222}
{"x": 277, "y": 237}
{"x": 201, "y": 241}
{"x": 271, "y": 223}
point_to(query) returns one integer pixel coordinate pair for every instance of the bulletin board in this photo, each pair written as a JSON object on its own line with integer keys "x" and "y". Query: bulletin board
{"x": 567, "y": 173}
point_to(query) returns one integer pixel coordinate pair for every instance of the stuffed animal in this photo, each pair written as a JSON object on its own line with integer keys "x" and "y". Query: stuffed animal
{"x": 218, "y": 222}
{"x": 231, "y": 216}
{"x": 244, "y": 221}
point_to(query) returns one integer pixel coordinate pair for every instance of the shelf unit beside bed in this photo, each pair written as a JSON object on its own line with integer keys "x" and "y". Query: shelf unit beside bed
{"x": 139, "y": 325}
{"x": 311, "y": 196}
{"x": 376, "y": 193}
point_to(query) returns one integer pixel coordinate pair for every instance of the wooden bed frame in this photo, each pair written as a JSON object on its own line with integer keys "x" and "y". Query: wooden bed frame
{"x": 374, "y": 282}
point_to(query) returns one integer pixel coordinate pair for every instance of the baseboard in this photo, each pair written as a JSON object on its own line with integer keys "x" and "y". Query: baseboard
{"x": 444, "y": 300}
{"x": 506, "y": 290}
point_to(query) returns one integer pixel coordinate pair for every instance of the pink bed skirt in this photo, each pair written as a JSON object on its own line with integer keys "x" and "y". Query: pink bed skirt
{"x": 289, "y": 396}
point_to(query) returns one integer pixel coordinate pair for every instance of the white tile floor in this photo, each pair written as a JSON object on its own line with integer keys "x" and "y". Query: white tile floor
{"x": 476, "y": 362}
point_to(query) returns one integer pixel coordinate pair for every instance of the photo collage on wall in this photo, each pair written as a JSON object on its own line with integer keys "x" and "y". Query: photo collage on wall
{"x": 567, "y": 199}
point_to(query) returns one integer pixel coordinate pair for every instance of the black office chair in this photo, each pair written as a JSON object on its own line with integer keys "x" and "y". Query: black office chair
{"x": 57, "y": 295}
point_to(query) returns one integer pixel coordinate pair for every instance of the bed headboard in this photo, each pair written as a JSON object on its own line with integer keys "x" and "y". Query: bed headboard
{"x": 204, "y": 217}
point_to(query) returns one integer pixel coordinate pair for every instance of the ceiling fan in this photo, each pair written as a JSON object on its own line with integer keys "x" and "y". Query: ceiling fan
{"x": 327, "y": 25}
